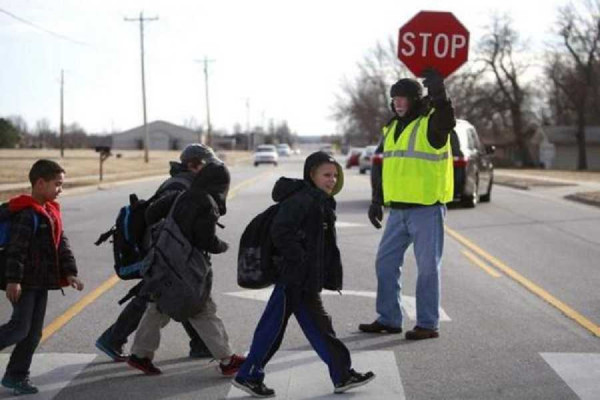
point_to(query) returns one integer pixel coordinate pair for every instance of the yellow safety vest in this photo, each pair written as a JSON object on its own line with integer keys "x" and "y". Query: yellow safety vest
{"x": 413, "y": 170}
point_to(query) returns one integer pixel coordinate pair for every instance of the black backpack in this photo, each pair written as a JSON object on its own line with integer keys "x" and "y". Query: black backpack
{"x": 129, "y": 231}
{"x": 256, "y": 266}
{"x": 177, "y": 275}
{"x": 5, "y": 216}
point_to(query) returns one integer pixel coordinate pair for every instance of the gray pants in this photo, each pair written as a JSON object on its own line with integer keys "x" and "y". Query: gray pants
{"x": 210, "y": 328}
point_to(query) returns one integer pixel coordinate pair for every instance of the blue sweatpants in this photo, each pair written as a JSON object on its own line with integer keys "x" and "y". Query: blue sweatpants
{"x": 314, "y": 322}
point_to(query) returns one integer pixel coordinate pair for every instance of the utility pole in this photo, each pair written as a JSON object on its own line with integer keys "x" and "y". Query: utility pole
{"x": 141, "y": 20}
{"x": 208, "y": 124}
{"x": 248, "y": 133}
{"x": 62, "y": 107}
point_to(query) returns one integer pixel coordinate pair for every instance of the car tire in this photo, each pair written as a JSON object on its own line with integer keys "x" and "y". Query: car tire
{"x": 256, "y": 164}
{"x": 362, "y": 171}
{"x": 488, "y": 196}
{"x": 470, "y": 200}
{"x": 274, "y": 164}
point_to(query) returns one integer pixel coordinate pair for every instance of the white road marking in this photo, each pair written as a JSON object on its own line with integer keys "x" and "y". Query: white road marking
{"x": 340, "y": 224}
{"x": 301, "y": 375}
{"x": 409, "y": 303}
{"x": 580, "y": 371}
{"x": 50, "y": 372}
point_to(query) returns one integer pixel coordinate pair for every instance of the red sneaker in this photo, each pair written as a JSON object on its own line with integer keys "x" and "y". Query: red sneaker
{"x": 235, "y": 362}
{"x": 143, "y": 364}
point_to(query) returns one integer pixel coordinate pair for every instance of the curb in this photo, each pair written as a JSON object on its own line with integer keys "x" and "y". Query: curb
{"x": 582, "y": 198}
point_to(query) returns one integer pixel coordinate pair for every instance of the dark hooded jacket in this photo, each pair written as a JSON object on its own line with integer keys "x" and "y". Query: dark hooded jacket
{"x": 198, "y": 209}
{"x": 303, "y": 232}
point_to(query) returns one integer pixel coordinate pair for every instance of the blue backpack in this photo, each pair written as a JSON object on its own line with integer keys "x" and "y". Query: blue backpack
{"x": 5, "y": 221}
{"x": 129, "y": 231}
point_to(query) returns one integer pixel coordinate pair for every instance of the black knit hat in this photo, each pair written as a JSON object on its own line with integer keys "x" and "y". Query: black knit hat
{"x": 407, "y": 87}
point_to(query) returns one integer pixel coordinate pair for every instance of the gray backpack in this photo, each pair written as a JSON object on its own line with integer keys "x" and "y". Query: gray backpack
{"x": 177, "y": 275}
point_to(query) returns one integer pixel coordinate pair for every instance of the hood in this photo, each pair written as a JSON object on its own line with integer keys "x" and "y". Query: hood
{"x": 317, "y": 158}
{"x": 285, "y": 187}
{"x": 50, "y": 210}
{"x": 213, "y": 179}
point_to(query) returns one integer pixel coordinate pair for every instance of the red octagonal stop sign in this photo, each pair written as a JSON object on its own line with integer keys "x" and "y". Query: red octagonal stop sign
{"x": 433, "y": 39}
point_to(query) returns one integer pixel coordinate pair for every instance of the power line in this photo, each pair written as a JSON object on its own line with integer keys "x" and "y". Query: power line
{"x": 58, "y": 35}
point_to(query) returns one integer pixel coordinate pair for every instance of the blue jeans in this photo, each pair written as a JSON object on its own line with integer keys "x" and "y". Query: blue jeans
{"x": 424, "y": 228}
{"x": 25, "y": 330}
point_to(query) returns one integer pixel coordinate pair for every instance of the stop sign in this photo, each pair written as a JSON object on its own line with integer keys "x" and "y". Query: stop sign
{"x": 433, "y": 39}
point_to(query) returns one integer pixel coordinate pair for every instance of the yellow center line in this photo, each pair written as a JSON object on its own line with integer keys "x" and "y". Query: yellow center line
{"x": 88, "y": 299}
{"x": 532, "y": 287}
{"x": 473, "y": 258}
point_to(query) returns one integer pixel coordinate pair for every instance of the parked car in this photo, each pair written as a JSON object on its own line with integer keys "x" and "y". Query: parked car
{"x": 473, "y": 167}
{"x": 364, "y": 161}
{"x": 353, "y": 155}
{"x": 265, "y": 154}
{"x": 283, "y": 149}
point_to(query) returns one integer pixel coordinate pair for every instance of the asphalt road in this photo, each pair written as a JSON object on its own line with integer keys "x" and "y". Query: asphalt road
{"x": 520, "y": 301}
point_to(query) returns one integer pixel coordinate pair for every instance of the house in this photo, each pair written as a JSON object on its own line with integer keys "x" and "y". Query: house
{"x": 162, "y": 136}
{"x": 558, "y": 149}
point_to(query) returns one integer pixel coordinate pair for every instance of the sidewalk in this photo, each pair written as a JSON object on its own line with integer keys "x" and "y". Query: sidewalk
{"x": 583, "y": 187}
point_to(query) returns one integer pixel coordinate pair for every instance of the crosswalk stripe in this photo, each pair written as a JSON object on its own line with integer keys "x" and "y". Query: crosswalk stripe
{"x": 580, "y": 371}
{"x": 409, "y": 303}
{"x": 302, "y": 375}
{"x": 51, "y": 372}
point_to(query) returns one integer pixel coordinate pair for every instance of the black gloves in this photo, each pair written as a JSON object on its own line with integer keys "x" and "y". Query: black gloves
{"x": 434, "y": 83}
{"x": 376, "y": 214}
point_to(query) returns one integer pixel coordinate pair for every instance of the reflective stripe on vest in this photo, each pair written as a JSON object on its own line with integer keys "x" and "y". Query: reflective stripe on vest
{"x": 414, "y": 171}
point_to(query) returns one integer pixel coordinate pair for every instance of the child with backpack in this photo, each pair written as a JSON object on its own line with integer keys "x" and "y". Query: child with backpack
{"x": 304, "y": 239}
{"x": 196, "y": 212}
{"x": 37, "y": 259}
{"x": 114, "y": 338}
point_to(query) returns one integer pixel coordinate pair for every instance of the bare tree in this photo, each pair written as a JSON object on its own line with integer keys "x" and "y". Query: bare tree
{"x": 362, "y": 108}
{"x": 574, "y": 70}
{"x": 499, "y": 50}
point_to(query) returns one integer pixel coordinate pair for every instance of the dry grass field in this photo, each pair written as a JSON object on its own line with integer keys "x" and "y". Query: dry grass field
{"x": 15, "y": 163}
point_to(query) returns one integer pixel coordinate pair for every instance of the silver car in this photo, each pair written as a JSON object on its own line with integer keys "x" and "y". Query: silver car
{"x": 265, "y": 154}
{"x": 364, "y": 160}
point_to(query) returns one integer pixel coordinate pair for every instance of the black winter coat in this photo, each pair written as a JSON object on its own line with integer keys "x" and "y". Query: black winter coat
{"x": 304, "y": 237}
{"x": 198, "y": 209}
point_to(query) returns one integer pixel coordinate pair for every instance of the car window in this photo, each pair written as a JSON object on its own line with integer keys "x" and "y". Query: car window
{"x": 265, "y": 149}
{"x": 475, "y": 140}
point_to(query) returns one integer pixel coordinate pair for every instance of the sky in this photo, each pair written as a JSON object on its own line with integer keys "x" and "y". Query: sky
{"x": 270, "y": 60}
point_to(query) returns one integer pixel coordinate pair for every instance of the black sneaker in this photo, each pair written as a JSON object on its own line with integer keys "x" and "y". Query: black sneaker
{"x": 143, "y": 364}
{"x": 378, "y": 327}
{"x": 254, "y": 389}
{"x": 355, "y": 379}
{"x": 19, "y": 387}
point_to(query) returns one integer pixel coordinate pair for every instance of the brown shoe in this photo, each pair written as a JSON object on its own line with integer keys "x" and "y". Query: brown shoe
{"x": 377, "y": 327}
{"x": 419, "y": 333}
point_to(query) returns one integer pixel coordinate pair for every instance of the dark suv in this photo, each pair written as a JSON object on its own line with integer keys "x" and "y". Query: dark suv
{"x": 473, "y": 167}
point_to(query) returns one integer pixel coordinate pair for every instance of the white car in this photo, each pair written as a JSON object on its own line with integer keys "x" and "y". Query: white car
{"x": 284, "y": 149}
{"x": 364, "y": 160}
{"x": 265, "y": 154}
